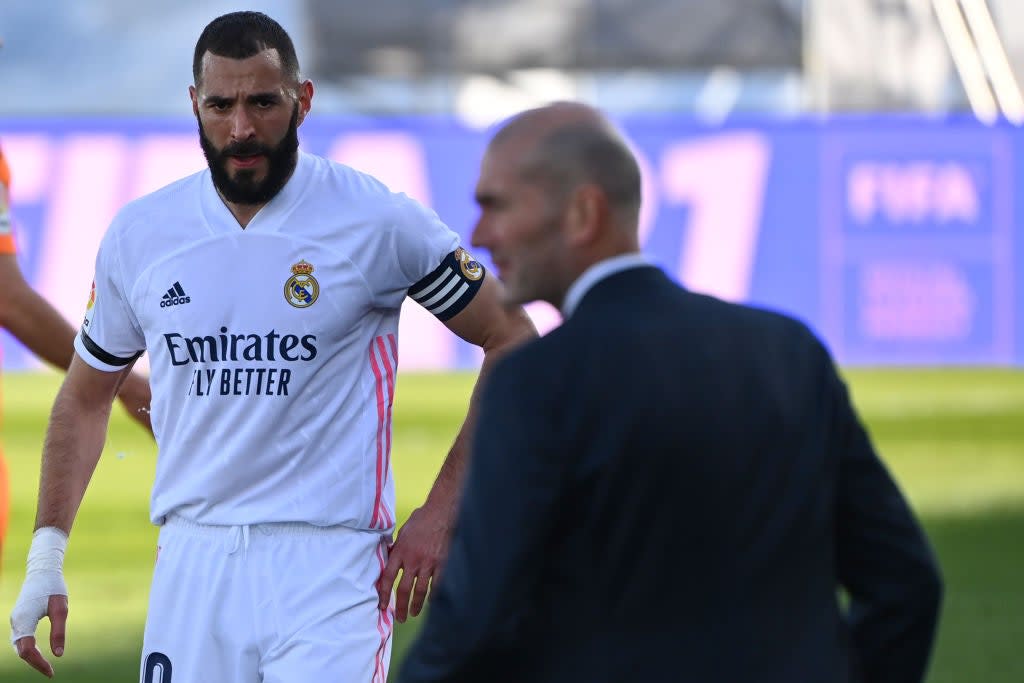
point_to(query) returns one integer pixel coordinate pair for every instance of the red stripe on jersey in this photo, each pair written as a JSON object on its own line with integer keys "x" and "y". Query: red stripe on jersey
{"x": 389, "y": 368}
{"x": 384, "y": 627}
{"x": 380, "y": 427}
{"x": 393, "y": 342}
{"x": 383, "y": 365}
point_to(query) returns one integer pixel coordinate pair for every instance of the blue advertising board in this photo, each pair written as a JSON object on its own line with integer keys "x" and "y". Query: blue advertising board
{"x": 897, "y": 239}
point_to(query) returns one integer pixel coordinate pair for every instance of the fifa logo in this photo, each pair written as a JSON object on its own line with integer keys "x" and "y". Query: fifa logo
{"x": 301, "y": 289}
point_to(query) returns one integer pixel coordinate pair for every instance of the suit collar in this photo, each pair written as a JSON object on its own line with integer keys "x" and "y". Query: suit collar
{"x": 597, "y": 272}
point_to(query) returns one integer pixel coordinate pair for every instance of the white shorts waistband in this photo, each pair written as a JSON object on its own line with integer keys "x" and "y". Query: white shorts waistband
{"x": 267, "y": 528}
{"x": 235, "y": 537}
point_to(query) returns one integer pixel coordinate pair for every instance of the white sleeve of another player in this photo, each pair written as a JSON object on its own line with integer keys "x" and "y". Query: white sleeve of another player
{"x": 110, "y": 337}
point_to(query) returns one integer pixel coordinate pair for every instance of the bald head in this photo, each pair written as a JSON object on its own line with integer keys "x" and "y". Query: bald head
{"x": 536, "y": 123}
{"x": 567, "y": 144}
{"x": 559, "y": 191}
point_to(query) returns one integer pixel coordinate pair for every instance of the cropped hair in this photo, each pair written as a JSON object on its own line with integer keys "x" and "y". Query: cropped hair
{"x": 587, "y": 153}
{"x": 240, "y": 35}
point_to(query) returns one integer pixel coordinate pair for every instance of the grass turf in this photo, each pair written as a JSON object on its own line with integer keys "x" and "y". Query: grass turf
{"x": 953, "y": 439}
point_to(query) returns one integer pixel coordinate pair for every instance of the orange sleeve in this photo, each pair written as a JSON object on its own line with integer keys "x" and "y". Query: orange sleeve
{"x": 6, "y": 236}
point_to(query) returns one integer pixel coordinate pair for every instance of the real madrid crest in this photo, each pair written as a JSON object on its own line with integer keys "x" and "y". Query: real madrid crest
{"x": 301, "y": 289}
{"x": 471, "y": 268}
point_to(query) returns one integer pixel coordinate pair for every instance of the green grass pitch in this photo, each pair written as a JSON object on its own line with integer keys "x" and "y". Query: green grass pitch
{"x": 953, "y": 438}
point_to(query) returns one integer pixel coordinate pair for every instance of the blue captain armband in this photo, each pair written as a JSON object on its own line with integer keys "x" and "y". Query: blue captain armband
{"x": 451, "y": 286}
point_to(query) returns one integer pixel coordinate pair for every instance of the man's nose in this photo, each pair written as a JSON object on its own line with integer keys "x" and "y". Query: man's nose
{"x": 481, "y": 234}
{"x": 241, "y": 125}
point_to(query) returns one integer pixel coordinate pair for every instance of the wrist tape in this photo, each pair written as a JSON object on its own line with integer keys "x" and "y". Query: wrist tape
{"x": 44, "y": 577}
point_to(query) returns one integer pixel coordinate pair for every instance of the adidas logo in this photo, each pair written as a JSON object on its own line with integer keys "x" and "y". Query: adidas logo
{"x": 174, "y": 296}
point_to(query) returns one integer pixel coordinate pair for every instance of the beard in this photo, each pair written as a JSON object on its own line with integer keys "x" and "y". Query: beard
{"x": 243, "y": 187}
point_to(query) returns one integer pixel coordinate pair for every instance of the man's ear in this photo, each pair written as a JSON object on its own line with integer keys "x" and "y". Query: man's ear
{"x": 194, "y": 96}
{"x": 586, "y": 212}
{"x": 305, "y": 99}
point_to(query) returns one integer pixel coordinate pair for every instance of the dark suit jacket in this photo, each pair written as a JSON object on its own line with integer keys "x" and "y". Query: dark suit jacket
{"x": 673, "y": 488}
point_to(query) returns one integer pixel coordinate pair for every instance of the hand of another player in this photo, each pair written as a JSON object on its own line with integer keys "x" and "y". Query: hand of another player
{"x": 135, "y": 396}
{"x": 419, "y": 552}
{"x": 25, "y": 645}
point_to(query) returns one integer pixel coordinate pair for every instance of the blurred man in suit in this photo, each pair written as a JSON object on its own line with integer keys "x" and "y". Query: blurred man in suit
{"x": 668, "y": 487}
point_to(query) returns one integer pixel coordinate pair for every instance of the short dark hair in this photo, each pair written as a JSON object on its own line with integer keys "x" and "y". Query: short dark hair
{"x": 240, "y": 35}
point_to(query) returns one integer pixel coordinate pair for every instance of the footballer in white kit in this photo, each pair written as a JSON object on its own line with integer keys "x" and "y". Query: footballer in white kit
{"x": 273, "y": 353}
{"x": 277, "y": 339}
{"x": 266, "y": 291}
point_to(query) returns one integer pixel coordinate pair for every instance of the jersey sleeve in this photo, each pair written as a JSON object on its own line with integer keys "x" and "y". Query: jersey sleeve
{"x": 110, "y": 337}
{"x": 421, "y": 239}
{"x": 432, "y": 268}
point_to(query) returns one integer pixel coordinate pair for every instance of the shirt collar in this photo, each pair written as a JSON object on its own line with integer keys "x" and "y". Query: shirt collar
{"x": 270, "y": 216}
{"x": 597, "y": 272}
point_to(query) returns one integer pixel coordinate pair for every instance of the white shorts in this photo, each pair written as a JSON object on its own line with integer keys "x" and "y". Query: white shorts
{"x": 268, "y": 603}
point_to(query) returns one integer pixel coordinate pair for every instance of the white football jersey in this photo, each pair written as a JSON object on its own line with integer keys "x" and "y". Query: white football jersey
{"x": 273, "y": 349}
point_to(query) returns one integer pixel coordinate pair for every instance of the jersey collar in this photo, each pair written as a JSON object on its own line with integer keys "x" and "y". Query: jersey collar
{"x": 271, "y": 217}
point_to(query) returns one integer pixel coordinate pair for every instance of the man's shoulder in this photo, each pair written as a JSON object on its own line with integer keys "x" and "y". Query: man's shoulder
{"x": 349, "y": 191}
{"x": 762, "y": 332}
{"x": 338, "y": 180}
{"x": 749, "y": 315}
{"x": 177, "y": 197}
{"x": 611, "y": 321}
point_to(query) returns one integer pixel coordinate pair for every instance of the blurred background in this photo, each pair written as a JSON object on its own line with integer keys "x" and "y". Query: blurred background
{"x": 852, "y": 162}
{"x": 477, "y": 59}
{"x": 855, "y": 163}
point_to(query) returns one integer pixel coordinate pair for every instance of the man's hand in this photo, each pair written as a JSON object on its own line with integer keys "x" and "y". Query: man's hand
{"x": 419, "y": 551}
{"x": 57, "y": 611}
{"x": 43, "y": 594}
{"x": 135, "y": 396}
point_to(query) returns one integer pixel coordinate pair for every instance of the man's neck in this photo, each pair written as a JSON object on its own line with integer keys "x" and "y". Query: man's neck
{"x": 593, "y": 273}
{"x": 243, "y": 213}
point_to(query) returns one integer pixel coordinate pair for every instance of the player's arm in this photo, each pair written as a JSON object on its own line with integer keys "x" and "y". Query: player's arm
{"x": 45, "y": 332}
{"x": 495, "y": 328}
{"x": 74, "y": 441}
{"x": 31, "y": 319}
{"x": 422, "y": 544}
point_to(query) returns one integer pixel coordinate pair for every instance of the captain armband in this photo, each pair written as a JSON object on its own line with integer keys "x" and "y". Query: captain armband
{"x": 451, "y": 286}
